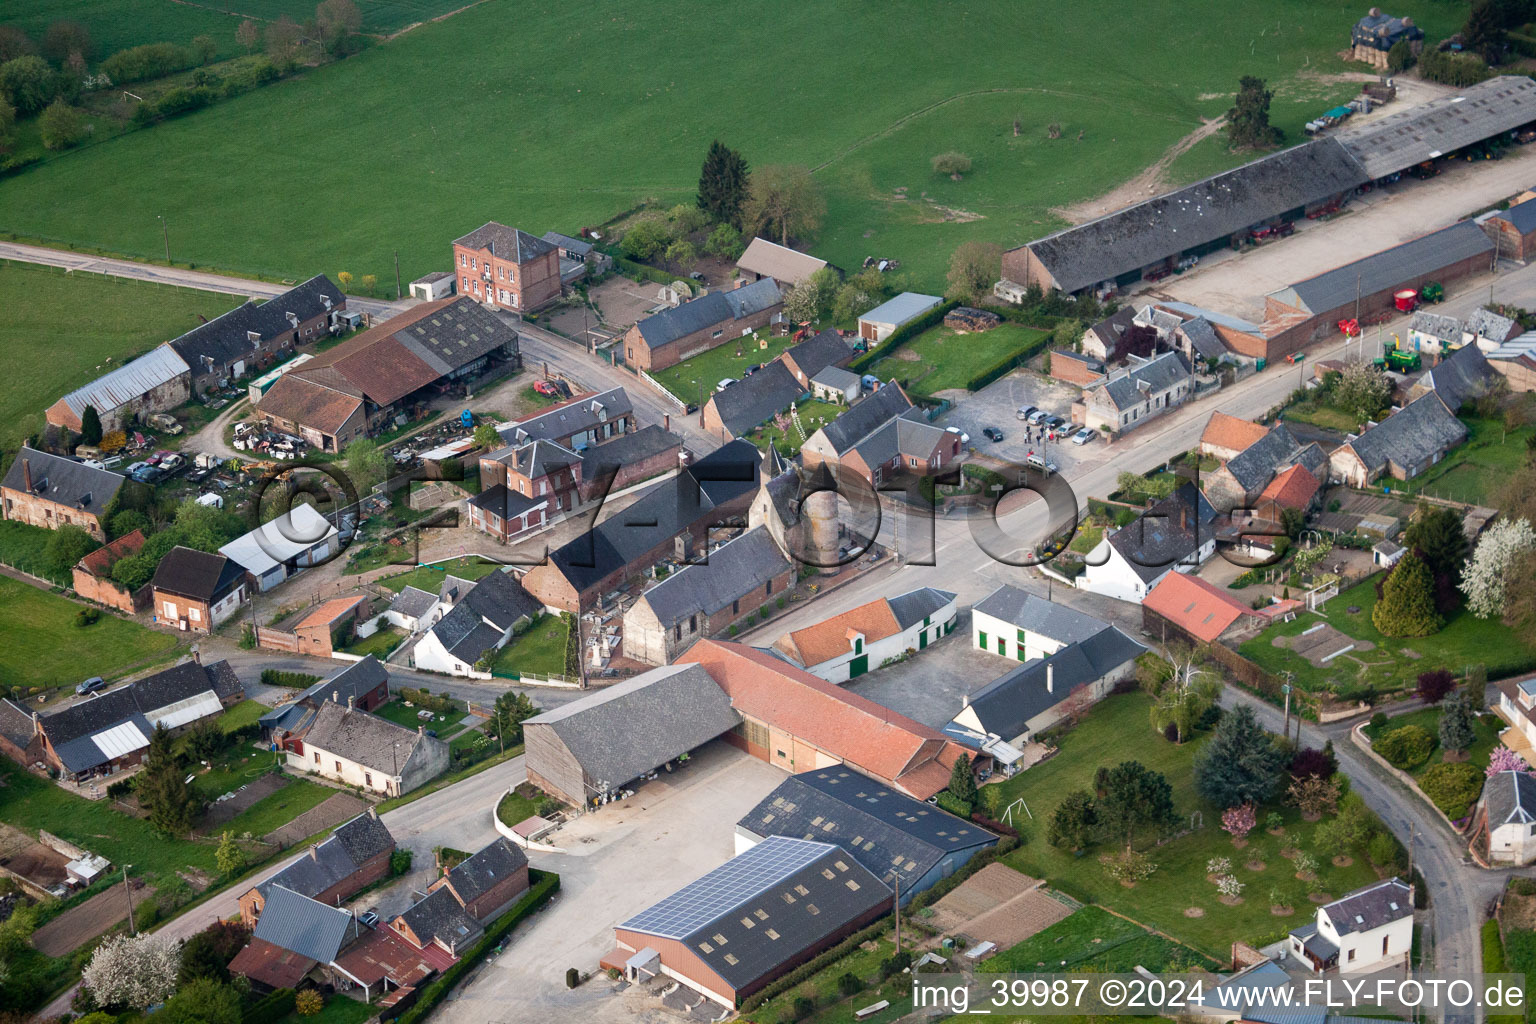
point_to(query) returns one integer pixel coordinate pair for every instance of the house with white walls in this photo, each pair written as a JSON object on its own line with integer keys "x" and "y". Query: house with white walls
{"x": 1367, "y": 930}
{"x": 1509, "y": 815}
{"x": 470, "y": 621}
{"x": 846, "y": 646}
{"x": 1174, "y": 535}
{"x": 1021, "y": 626}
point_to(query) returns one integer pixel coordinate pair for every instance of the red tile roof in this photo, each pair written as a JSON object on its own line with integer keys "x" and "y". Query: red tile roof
{"x": 99, "y": 562}
{"x": 329, "y": 612}
{"x": 831, "y": 638}
{"x": 271, "y": 964}
{"x": 1225, "y": 431}
{"x": 874, "y": 739}
{"x": 1293, "y": 488}
{"x": 1199, "y": 608}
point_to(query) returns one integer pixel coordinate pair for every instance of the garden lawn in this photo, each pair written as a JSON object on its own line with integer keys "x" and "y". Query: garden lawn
{"x": 280, "y": 808}
{"x": 967, "y": 77}
{"x": 40, "y": 645}
{"x": 1487, "y": 728}
{"x": 1118, "y": 729}
{"x": 1093, "y": 939}
{"x": 821, "y": 987}
{"x": 247, "y": 712}
{"x": 430, "y": 577}
{"x": 711, "y": 366}
{"x": 1318, "y": 414}
{"x": 396, "y": 711}
{"x": 378, "y": 644}
{"x": 1477, "y": 471}
{"x": 939, "y": 358}
{"x": 813, "y": 416}
{"x": 514, "y": 808}
{"x": 1466, "y": 640}
{"x": 1086, "y": 538}
{"x": 538, "y": 651}
{"x": 338, "y": 1009}
{"x": 62, "y": 331}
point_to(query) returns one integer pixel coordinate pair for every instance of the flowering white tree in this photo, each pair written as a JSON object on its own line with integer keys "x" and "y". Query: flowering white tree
{"x": 1483, "y": 579}
{"x": 1229, "y": 886}
{"x": 1218, "y": 866}
{"x": 139, "y": 971}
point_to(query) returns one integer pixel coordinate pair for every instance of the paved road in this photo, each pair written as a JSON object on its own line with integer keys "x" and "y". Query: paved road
{"x": 244, "y": 287}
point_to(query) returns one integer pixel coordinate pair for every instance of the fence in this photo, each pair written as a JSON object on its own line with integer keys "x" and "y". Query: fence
{"x": 1253, "y": 676}
{"x": 681, "y": 405}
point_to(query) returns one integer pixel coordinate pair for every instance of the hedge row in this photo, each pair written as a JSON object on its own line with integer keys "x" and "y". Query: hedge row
{"x": 545, "y": 884}
{"x": 1009, "y": 363}
{"x": 269, "y": 1009}
{"x": 629, "y": 268}
{"x": 815, "y": 966}
{"x": 901, "y": 335}
{"x": 294, "y": 680}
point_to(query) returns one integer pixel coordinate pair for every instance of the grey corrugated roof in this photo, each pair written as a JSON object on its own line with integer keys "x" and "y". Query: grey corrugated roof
{"x": 1155, "y": 541}
{"x": 302, "y": 925}
{"x": 1399, "y": 141}
{"x": 755, "y": 399}
{"x": 1370, "y": 907}
{"x": 1510, "y": 799}
{"x": 226, "y": 338}
{"x": 509, "y": 243}
{"x": 734, "y": 569}
{"x": 1410, "y": 436}
{"x": 66, "y": 481}
{"x": 631, "y": 727}
{"x": 1027, "y": 611}
{"x": 489, "y": 866}
{"x": 1462, "y": 377}
{"x": 904, "y": 307}
{"x": 1417, "y": 258}
{"x": 1158, "y": 374}
{"x": 916, "y": 605}
{"x": 1256, "y": 465}
{"x": 714, "y": 309}
{"x": 882, "y": 829}
{"x": 1215, "y": 208}
{"x": 128, "y": 382}
{"x": 576, "y": 416}
{"x": 1522, "y": 216}
{"x": 835, "y": 377}
{"x": 1005, "y": 705}
{"x": 864, "y": 417}
{"x": 770, "y": 905}
{"x": 1436, "y": 325}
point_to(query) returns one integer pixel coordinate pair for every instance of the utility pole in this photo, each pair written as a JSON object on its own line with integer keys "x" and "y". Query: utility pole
{"x": 896, "y": 906}
{"x": 1285, "y": 730}
{"x": 132, "y": 928}
{"x": 165, "y": 232}
{"x": 397, "y": 275}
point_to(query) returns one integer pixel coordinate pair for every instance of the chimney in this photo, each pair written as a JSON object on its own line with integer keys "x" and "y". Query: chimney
{"x": 421, "y": 730}
{"x": 336, "y": 696}
{"x": 37, "y": 724}
{"x": 26, "y": 474}
{"x": 373, "y": 812}
{"x": 1050, "y": 678}
{"x": 666, "y": 421}
{"x": 314, "y": 853}
{"x": 197, "y": 655}
{"x": 351, "y": 701}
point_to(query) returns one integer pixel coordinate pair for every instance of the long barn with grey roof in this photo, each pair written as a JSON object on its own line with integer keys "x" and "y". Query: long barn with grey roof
{"x": 675, "y": 334}
{"x": 1401, "y": 446}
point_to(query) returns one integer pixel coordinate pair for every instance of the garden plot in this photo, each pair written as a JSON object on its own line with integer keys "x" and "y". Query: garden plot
{"x": 1321, "y": 644}
{"x": 998, "y": 905}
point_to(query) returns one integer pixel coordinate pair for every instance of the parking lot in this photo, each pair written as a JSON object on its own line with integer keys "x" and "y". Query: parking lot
{"x": 618, "y": 861}
{"x": 997, "y": 405}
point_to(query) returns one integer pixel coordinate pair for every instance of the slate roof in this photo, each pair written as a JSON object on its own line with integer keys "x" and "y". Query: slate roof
{"x": 907, "y": 434}
{"x": 765, "y": 908}
{"x": 65, "y": 481}
{"x": 755, "y": 399}
{"x": 1156, "y": 541}
{"x": 437, "y": 915}
{"x": 414, "y": 602}
{"x": 365, "y": 739}
{"x": 864, "y": 417}
{"x": 825, "y": 349}
{"x": 1522, "y": 216}
{"x": 708, "y": 311}
{"x": 1199, "y": 608}
{"x": 16, "y": 723}
{"x": 499, "y": 598}
{"x": 628, "y": 449}
{"x": 1112, "y": 327}
{"x": 300, "y": 924}
{"x": 1485, "y": 323}
{"x": 835, "y": 377}
{"x": 226, "y": 339}
{"x": 1461, "y": 378}
{"x": 569, "y": 244}
{"x": 1037, "y": 615}
{"x": 1203, "y": 338}
{"x": 661, "y": 512}
{"x": 508, "y": 243}
{"x": 1436, "y": 325}
{"x": 355, "y": 680}
{"x": 622, "y": 731}
{"x": 487, "y": 868}
{"x": 770, "y": 259}
{"x": 1510, "y": 799}
{"x": 1370, "y": 907}
{"x": 128, "y": 382}
{"x": 882, "y": 829}
{"x": 916, "y": 605}
{"x": 1133, "y": 386}
{"x": 897, "y": 311}
{"x": 407, "y": 352}
{"x": 1214, "y": 208}
{"x": 1256, "y": 465}
{"x": 1223, "y": 431}
{"x": 832, "y": 637}
{"x": 465, "y": 635}
{"x": 736, "y": 568}
{"x": 200, "y": 575}
{"x": 1005, "y": 705}
{"x": 332, "y": 860}
{"x": 573, "y": 416}
{"x": 1409, "y": 437}
{"x": 540, "y": 458}
{"x": 504, "y": 502}
{"x": 1396, "y": 142}
{"x": 1417, "y": 258}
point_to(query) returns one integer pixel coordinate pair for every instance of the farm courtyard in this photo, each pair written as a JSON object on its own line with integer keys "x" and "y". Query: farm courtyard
{"x": 877, "y": 91}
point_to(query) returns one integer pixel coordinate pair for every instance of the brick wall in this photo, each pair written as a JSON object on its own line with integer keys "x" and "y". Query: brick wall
{"x": 512, "y": 285}
{"x": 38, "y": 511}
{"x": 105, "y": 592}
{"x": 1022, "y": 266}
{"x": 638, "y": 354}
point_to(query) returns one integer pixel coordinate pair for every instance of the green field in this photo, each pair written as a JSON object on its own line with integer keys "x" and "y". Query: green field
{"x": 64, "y": 330}
{"x": 538, "y": 651}
{"x": 1116, "y": 730}
{"x": 1479, "y": 469}
{"x": 940, "y": 358}
{"x": 696, "y": 378}
{"x": 40, "y": 645}
{"x": 876, "y": 91}
{"x": 1092, "y": 939}
{"x": 1394, "y": 663}
{"x": 814, "y": 415}
{"x": 430, "y": 577}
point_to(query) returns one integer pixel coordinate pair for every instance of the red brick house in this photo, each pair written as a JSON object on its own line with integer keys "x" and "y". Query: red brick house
{"x": 93, "y": 575}
{"x": 1075, "y": 369}
{"x": 197, "y": 590}
{"x": 489, "y": 880}
{"x": 51, "y": 491}
{"x": 682, "y": 332}
{"x": 880, "y": 438}
{"x": 507, "y": 268}
{"x": 21, "y": 738}
{"x": 1513, "y": 231}
{"x": 354, "y": 856}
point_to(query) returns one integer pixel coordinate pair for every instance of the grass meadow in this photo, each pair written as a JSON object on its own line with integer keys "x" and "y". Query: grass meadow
{"x": 549, "y": 115}
{"x": 41, "y": 646}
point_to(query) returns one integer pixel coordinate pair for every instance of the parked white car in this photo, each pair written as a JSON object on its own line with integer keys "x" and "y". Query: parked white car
{"x": 964, "y": 437}
{"x": 1083, "y": 436}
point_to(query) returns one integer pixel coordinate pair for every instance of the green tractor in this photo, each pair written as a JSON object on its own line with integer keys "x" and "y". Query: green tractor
{"x": 1434, "y": 291}
{"x": 1401, "y": 361}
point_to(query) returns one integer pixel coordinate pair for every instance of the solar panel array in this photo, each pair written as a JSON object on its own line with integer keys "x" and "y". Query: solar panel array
{"x": 733, "y": 883}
